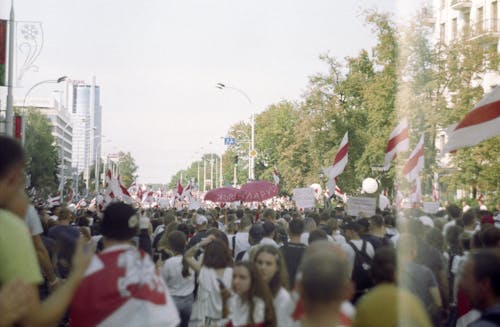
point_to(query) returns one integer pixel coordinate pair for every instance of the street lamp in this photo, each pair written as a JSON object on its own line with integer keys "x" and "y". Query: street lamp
{"x": 252, "y": 153}
{"x": 56, "y": 81}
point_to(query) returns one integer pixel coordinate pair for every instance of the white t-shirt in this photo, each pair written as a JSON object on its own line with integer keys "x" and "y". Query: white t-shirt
{"x": 369, "y": 247}
{"x": 283, "y": 307}
{"x": 238, "y": 311}
{"x": 33, "y": 222}
{"x": 268, "y": 241}
{"x": 241, "y": 243}
{"x": 208, "y": 302}
{"x": 172, "y": 275}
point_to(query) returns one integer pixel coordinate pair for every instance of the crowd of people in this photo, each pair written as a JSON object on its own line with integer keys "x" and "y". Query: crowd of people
{"x": 129, "y": 266}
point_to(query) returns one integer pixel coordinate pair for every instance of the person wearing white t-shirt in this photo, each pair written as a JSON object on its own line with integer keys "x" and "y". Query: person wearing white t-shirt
{"x": 271, "y": 265}
{"x": 179, "y": 277}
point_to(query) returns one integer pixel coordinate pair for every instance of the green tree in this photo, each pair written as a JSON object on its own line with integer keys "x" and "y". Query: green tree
{"x": 127, "y": 168}
{"x": 41, "y": 152}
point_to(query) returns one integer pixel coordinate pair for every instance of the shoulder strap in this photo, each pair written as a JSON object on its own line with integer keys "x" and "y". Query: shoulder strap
{"x": 234, "y": 243}
{"x": 361, "y": 253}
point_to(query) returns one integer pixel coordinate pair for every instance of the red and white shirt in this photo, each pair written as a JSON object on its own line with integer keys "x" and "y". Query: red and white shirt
{"x": 122, "y": 288}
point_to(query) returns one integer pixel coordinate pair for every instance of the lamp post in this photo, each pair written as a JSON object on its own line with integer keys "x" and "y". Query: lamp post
{"x": 251, "y": 153}
{"x": 56, "y": 81}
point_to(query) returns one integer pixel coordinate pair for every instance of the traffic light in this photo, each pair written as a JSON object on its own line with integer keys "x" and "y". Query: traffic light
{"x": 236, "y": 160}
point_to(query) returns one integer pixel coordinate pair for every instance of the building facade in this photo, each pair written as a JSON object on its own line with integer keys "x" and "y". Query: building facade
{"x": 84, "y": 104}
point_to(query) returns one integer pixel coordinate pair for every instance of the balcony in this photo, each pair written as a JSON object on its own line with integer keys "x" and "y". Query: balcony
{"x": 461, "y": 4}
{"x": 484, "y": 28}
{"x": 428, "y": 17}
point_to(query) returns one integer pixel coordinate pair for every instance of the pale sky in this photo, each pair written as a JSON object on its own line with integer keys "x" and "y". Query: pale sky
{"x": 157, "y": 63}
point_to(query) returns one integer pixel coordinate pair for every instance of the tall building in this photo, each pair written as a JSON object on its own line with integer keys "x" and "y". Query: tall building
{"x": 62, "y": 127}
{"x": 83, "y": 102}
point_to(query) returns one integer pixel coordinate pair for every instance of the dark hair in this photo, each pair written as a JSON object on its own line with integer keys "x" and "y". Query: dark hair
{"x": 12, "y": 154}
{"x": 377, "y": 221}
{"x": 256, "y": 233}
{"x": 118, "y": 223}
{"x": 487, "y": 266}
{"x": 280, "y": 279}
{"x": 269, "y": 228}
{"x": 490, "y": 237}
{"x": 435, "y": 238}
{"x": 183, "y": 228}
{"x": 317, "y": 235}
{"x": 454, "y": 211}
{"x": 468, "y": 218}
{"x": 384, "y": 265}
{"x": 219, "y": 234}
{"x": 296, "y": 227}
{"x": 177, "y": 243}
{"x": 269, "y": 214}
{"x": 258, "y": 288}
{"x": 217, "y": 255}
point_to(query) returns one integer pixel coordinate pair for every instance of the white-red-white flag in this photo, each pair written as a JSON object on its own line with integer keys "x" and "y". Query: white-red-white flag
{"x": 398, "y": 142}
{"x": 435, "y": 187}
{"x": 179, "y": 189}
{"x": 339, "y": 163}
{"x": 124, "y": 194}
{"x": 480, "y": 124}
{"x": 415, "y": 162}
{"x": 416, "y": 193}
{"x": 276, "y": 176}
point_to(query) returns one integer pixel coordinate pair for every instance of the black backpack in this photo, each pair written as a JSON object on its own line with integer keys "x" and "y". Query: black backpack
{"x": 361, "y": 271}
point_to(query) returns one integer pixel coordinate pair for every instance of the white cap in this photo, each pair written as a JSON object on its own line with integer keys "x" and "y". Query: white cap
{"x": 426, "y": 221}
{"x": 483, "y": 207}
{"x": 201, "y": 220}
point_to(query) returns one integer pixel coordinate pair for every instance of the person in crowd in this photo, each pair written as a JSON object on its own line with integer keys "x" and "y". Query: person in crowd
{"x": 454, "y": 217}
{"x": 417, "y": 278}
{"x": 481, "y": 283}
{"x": 269, "y": 215}
{"x": 240, "y": 240}
{"x": 179, "y": 277}
{"x": 333, "y": 225}
{"x": 122, "y": 286}
{"x": 317, "y": 235}
{"x": 269, "y": 232}
{"x": 470, "y": 222}
{"x": 255, "y": 235}
{"x": 17, "y": 253}
{"x": 294, "y": 249}
{"x": 201, "y": 222}
{"x": 378, "y": 232}
{"x": 361, "y": 253}
{"x": 251, "y": 304}
{"x": 309, "y": 226}
{"x": 214, "y": 271}
{"x": 400, "y": 307}
{"x": 272, "y": 268}
{"x": 324, "y": 285}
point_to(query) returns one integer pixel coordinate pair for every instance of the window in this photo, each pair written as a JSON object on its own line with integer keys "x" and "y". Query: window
{"x": 494, "y": 16}
{"x": 453, "y": 28}
{"x": 442, "y": 33}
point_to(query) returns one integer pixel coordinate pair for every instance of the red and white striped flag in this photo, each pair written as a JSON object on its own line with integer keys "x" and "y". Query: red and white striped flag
{"x": 340, "y": 194}
{"x": 339, "y": 163}
{"x": 398, "y": 142}
{"x": 435, "y": 187}
{"x": 416, "y": 193}
{"x": 480, "y": 124}
{"x": 179, "y": 189}
{"x": 54, "y": 201}
{"x": 276, "y": 176}
{"x": 125, "y": 195}
{"x": 415, "y": 162}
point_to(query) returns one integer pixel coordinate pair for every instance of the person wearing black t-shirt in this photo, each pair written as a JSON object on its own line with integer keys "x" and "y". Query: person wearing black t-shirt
{"x": 294, "y": 249}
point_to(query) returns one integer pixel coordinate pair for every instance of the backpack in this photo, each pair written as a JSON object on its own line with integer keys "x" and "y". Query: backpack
{"x": 361, "y": 271}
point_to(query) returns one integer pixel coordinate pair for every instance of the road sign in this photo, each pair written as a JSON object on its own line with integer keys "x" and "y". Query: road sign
{"x": 229, "y": 141}
{"x": 253, "y": 153}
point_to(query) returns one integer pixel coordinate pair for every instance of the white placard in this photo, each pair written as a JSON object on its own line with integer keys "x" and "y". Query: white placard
{"x": 361, "y": 206}
{"x": 431, "y": 207}
{"x": 304, "y": 198}
{"x": 195, "y": 205}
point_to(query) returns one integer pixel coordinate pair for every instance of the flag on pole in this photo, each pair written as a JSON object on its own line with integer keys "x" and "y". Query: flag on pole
{"x": 480, "y": 124}
{"x": 179, "y": 189}
{"x": 339, "y": 163}
{"x": 416, "y": 194}
{"x": 276, "y": 176}
{"x": 415, "y": 162}
{"x": 398, "y": 142}
{"x": 54, "y": 200}
{"x": 435, "y": 187}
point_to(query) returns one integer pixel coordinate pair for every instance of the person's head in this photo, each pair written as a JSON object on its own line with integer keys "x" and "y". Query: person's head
{"x": 269, "y": 215}
{"x": 255, "y": 234}
{"x": 480, "y": 278}
{"x": 272, "y": 268}
{"x": 491, "y": 237}
{"x": 11, "y": 169}
{"x": 317, "y": 235}
{"x": 407, "y": 247}
{"x": 454, "y": 211}
{"x": 217, "y": 255}
{"x": 452, "y": 239}
{"x": 245, "y": 223}
{"x": 309, "y": 224}
{"x": 64, "y": 215}
{"x": 269, "y": 229}
{"x": 201, "y": 222}
{"x": 248, "y": 284}
{"x": 435, "y": 238}
{"x": 376, "y": 222}
{"x": 469, "y": 219}
{"x": 120, "y": 222}
{"x": 351, "y": 230}
{"x": 296, "y": 227}
{"x": 219, "y": 234}
{"x": 384, "y": 265}
{"x": 176, "y": 242}
{"x": 325, "y": 277}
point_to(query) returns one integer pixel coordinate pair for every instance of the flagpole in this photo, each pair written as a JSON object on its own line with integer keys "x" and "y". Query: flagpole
{"x": 10, "y": 108}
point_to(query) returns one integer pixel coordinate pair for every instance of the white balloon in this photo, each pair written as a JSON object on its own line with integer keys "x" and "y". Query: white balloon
{"x": 370, "y": 185}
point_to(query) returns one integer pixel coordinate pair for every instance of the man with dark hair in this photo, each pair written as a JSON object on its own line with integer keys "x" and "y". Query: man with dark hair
{"x": 480, "y": 280}
{"x": 269, "y": 215}
{"x": 317, "y": 235}
{"x": 255, "y": 235}
{"x": 269, "y": 232}
{"x": 294, "y": 249}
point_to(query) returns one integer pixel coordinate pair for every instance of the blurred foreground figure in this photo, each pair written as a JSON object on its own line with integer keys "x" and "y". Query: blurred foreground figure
{"x": 121, "y": 286}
